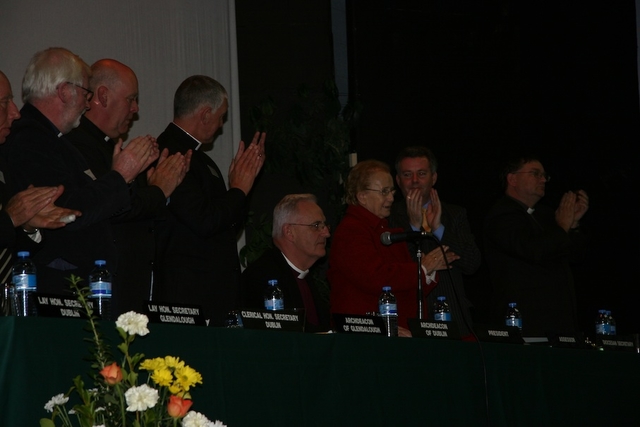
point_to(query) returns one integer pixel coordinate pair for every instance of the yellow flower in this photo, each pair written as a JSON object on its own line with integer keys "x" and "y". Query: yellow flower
{"x": 187, "y": 377}
{"x": 173, "y": 362}
{"x": 162, "y": 377}
{"x": 153, "y": 364}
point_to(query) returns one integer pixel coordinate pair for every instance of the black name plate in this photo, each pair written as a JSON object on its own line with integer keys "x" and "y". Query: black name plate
{"x": 279, "y": 320}
{"x": 567, "y": 341}
{"x": 432, "y": 329}
{"x": 359, "y": 324}
{"x": 504, "y": 334}
{"x": 620, "y": 343}
{"x": 51, "y": 305}
{"x": 181, "y": 314}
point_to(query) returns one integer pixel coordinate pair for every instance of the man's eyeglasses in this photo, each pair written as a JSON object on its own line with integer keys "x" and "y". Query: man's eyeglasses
{"x": 89, "y": 93}
{"x": 538, "y": 174}
{"x": 317, "y": 226}
{"x": 385, "y": 191}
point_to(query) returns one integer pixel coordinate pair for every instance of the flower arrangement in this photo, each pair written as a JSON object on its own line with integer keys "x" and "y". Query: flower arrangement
{"x": 117, "y": 398}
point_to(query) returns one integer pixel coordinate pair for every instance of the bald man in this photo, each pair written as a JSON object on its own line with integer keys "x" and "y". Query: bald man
{"x": 113, "y": 110}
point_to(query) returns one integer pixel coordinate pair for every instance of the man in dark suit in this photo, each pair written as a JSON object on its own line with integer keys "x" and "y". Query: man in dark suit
{"x": 113, "y": 107}
{"x": 528, "y": 247}
{"x": 421, "y": 209}
{"x": 198, "y": 257}
{"x": 55, "y": 93}
{"x": 300, "y": 234}
{"x": 24, "y": 214}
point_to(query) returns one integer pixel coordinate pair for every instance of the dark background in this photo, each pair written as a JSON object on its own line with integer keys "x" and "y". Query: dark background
{"x": 475, "y": 80}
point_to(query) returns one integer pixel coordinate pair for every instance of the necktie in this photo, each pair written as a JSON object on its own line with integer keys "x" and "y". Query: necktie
{"x": 5, "y": 265}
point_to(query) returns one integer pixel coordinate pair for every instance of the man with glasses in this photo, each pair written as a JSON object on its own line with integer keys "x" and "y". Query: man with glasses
{"x": 113, "y": 109}
{"x": 300, "y": 234}
{"x": 528, "y": 247}
{"x": 55, "y": 94}
{"x": 421, "y": 209}
{"x": 199, "y": 263}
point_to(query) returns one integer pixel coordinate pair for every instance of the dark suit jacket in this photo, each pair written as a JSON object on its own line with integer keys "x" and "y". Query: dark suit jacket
{"x": 37, "y": 155}
{"x": 197, "y": 242}
{"x": 528, "y": 258}
{"x": 458, "y": 237}
{"x": 133, "y": 230}
{"x": 273, "y": 265}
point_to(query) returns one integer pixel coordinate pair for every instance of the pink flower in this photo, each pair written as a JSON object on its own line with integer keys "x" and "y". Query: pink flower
{"x": 112, "y": 374}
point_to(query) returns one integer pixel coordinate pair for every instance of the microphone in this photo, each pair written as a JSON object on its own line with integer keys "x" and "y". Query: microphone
{"x": 388, "y": 238}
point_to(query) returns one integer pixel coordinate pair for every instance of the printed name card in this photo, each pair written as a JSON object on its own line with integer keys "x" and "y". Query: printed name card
{"x": 504, "y": 334}
{"x": 180, "y": 314}
{"x": 433, "y": 329}
{"x": 51, "y": 305}
{"x": 279, "y": 320}
{"x": 359, "y": 324}
{"x": 623, "y": 343}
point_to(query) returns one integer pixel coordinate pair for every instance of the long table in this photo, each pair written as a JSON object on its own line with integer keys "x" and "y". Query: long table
{"x": 273, "y": 378}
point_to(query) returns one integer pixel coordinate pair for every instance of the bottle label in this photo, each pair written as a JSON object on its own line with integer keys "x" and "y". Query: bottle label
{"x": 514, "y": 321}
{"x": 603, "y": 329}
{"x": 100, "y": 288}
{"x": 25, "y": 282}
{"x": 274, "y": 304}
{"x": 442, "y": 316}
{"x": 388, "y": 309}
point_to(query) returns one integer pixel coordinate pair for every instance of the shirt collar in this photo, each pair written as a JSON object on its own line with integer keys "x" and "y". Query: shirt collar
{"x": 301, "y": 274}
{"x": 198, "y": 143}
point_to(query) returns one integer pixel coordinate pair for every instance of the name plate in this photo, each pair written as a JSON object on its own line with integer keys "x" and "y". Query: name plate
{"x": 567, "y": 341}
{"x": 503, "y": 334}
{"x": 359, "y": 324}
{"x": 433, "y": 329}
{"x": 51, "y": 305}
{"x": 620, "y": 343}
{"x": 181, "y": 314}
{"x": 279, "y": 320}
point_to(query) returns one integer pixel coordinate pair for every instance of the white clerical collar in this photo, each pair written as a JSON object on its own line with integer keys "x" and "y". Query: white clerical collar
{"x": 301, "y": 274}
{"x": 194, "y": 138}
{"x": 530, "y": 211}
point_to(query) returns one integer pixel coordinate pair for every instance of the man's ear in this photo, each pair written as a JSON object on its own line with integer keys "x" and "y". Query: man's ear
{"x": 102, "y": 96}
{"x": 205, "y": 114}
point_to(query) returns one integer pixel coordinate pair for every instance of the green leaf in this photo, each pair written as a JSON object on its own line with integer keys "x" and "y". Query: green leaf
{"x": 46, "y": 422}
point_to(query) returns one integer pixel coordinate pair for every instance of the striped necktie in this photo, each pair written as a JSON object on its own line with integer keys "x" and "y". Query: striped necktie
{"x": 5, "y": 265}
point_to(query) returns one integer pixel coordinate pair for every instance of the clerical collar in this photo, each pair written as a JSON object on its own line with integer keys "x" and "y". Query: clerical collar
{"x": 194, "y": 138}
{"x": 301, "y": 274}
{"x": 530, "y": 211}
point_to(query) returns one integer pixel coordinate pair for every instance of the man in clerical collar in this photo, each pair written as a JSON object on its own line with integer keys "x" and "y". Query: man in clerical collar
{"x": 199, "y": 261}
{"x": 528, "y": 248}
{"x": 300, "y": 234}
{"x": 113, "y": 108}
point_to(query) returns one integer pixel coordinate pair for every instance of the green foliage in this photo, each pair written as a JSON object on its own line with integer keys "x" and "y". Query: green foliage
{"x": 310, "y": 143}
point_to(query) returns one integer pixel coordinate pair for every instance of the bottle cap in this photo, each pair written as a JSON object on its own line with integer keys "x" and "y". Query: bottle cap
{"x": 23, "y": 254}
{"x": 442, "y": 298}
{"x": 273, "y": 282}
{"x": 386, "y": 288}
{"x": 100, "y": 262}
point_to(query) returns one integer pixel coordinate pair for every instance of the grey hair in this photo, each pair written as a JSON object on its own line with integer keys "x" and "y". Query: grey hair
{"x": 286, "y": 209}
{"x": 48, "y": 69}
{"x": 196, "y": 91}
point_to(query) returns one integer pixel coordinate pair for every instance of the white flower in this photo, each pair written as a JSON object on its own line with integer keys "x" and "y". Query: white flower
{"x": 58, "y": 399}
{"x": 133, "y": 323}
{"x": 141, "y": 398}
{"x": 196, "y": 419}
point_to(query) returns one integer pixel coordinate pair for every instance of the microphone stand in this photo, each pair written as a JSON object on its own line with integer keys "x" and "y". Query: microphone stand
{"x": 420, "y": 293}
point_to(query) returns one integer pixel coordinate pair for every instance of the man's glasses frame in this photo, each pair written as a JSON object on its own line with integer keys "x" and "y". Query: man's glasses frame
{"x": 318, "y": 225}
{"x": 89, "y": 92}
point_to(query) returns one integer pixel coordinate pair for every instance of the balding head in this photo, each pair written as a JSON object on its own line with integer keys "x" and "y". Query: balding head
{"x": 116, "y": 97}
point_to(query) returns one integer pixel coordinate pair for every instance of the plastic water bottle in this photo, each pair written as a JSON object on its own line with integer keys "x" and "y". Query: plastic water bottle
{"x": 441, "y": 312}
{"x": 24, "y": 286}
{"x": 100, "y": 285}
{"x": 602, "y": 323}
{"x": 513, "y": 317}
{"x": 612, "y": 323}
{"x": 273, "y": 298}
{"x": 388, "y": 308}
